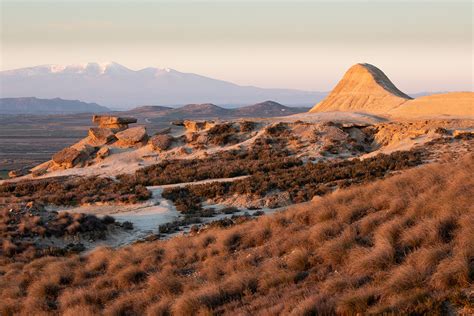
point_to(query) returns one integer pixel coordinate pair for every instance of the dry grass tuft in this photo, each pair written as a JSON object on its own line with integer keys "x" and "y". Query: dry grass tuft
{"x": 402, "y": 245}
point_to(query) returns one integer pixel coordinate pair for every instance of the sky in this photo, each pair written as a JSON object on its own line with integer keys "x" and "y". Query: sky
{"x": 421, "y": 45}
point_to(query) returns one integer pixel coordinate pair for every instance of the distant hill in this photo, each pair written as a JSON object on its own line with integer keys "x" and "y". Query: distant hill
{"x": 268, "y": 109}
{"x": 205, "y": 110}
{"x": 31, "y": 105}
{"x": 209, "y": 110}
{"x": 114, "y": 85}
{"x": 150, "y": 109}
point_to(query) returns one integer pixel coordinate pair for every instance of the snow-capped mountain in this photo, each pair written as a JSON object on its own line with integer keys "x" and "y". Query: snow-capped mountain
{"x": 112, "y": 84}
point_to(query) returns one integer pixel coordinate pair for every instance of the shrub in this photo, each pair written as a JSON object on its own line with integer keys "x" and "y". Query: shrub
{"x": 302, "y": 182}
{"x": 73, "y": 191}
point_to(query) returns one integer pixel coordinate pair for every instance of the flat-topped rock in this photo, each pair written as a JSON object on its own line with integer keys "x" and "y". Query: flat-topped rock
{"x": 106, "y": 119}
{"x": 114, "y": 122}
{"x": 99, "y": 136}
{"x": 132, "y": 137}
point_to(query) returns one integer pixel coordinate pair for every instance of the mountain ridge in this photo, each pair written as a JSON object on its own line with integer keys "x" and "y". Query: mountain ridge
{"x": 33, "y": 105}
{"x": 114, "y": 85}
{"x": 206, "y": 110}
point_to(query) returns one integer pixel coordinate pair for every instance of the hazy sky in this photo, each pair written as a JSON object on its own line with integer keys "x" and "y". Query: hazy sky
{"x": 420, "y": 45}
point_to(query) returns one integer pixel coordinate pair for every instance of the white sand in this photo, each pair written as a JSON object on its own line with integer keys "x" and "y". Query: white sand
{"x": 146, "y": 217}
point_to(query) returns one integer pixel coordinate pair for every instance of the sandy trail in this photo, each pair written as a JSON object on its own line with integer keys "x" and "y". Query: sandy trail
{"x": 146, "y": 217}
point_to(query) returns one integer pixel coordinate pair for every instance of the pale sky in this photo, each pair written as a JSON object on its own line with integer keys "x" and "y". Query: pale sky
{"x": 420, "y": 45}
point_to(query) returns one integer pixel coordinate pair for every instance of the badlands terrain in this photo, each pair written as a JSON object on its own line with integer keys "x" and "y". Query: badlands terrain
{"x": 29, "y": 139}
{"x": 361, "y": 205}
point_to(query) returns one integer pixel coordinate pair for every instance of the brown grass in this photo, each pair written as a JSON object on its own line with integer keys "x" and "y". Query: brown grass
{"x": 399, "y": 245}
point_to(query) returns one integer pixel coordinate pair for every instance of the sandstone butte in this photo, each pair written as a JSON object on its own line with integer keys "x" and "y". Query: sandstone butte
{"x": 365, "y": 88}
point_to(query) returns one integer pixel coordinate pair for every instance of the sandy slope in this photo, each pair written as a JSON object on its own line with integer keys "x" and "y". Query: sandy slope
{"x": 333, "y": 116}
{"x": 459, "y": 104}
{"x": 366, "y": 89}
{"x": 363, "y": 88}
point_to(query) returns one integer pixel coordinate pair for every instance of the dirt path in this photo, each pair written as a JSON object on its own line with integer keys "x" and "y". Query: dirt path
{"x": 146, "y": 217}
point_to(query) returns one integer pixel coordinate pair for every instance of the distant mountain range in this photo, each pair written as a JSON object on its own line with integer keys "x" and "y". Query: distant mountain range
{"x": 34, "y": 106}
{"x": 114, "y": 85}
{"x": 209, "y": 110}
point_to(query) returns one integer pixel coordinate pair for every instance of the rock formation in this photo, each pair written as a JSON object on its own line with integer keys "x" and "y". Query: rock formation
{"x": 161, "y": 142}
{"x": 100, "y": 136}
{"x": 195, "y": 126}
{"x": 17, "y": 173}
{"x": 69, "y": 157}
{"x": 113, "y": 131}
{"x": 364, "y": 88}
{"x": 103, "y": 152}
{"x": 132, "y": 137}
{"x": 115, "y": 123}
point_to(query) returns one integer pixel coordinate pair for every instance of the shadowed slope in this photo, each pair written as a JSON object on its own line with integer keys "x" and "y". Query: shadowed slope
{"x": 364, "y": 88}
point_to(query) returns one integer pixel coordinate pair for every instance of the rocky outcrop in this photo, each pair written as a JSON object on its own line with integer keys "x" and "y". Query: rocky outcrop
{"x": 161, "y": 142}
{"x": 364, "y": 88}
{"x": 111, "y": 131}
{"x": 195, "y": 126}
{"x": 17, "y": 173}
{"x": 132, "y": 137}
{"x": 103, "y": 152}
{"x": 115, "y": 123}
{"x": 467, "y": 134}
{"x": 69, "y": 157}
{"x": 99, "y": 136}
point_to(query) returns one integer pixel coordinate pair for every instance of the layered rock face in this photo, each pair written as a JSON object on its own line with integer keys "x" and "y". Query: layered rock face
{"x": 364, "y": 88}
